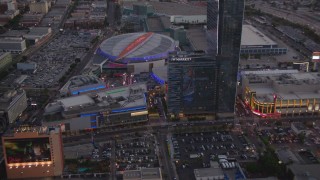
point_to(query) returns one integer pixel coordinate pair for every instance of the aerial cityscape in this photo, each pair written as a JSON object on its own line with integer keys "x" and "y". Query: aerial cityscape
{"x": 160, "y": 89}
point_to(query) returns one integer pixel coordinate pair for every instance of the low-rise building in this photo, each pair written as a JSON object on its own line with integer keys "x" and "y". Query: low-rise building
{"x": 254, "y": 41}
{"x": 33, "y": 152}
{"x": 100, "y": 108}
{"x": 209, "y": 174}
{"x": 305, "y": 171}
{"x": 13, "y": 45}
{"x": 13, "y": 103}
{"x": 82, "y": 84}
{"x": 5, "y": 60}
{"x": 39, "y": 6}
{"x": 27, "y": 67}
{"x": 143, "y": 174}
{"x": 37, "y": 34}
{"x": 281, "y": 92}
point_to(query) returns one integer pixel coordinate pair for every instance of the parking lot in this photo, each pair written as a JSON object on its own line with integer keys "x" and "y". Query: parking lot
{"x": 196, "y": 150}
{"x": 54, "y": 60}
{"x": 208, "y": 145}
{"x": 138, "y": 151}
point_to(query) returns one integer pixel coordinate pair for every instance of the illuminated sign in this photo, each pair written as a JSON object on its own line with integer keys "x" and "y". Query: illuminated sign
{"x": 316, "y": 57}
{"x": 27, "y": 150}
{"x": 179, "y": 59}
{"x": 139, "y": 113}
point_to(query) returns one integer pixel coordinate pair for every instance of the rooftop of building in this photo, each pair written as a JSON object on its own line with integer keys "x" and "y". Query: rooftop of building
{"x": 14, "y": 33}
{"x": 39, "y": 31}
{"x": 79, "y": 81}
{"x": 7, "y": 96}
{"x": 208, "y": 172}
{"x": 40, "y": 130}
{"x": 253, "y": 37}
{"x": 11, "y": 40}
{"x": 197, "y": 38}
{"x": 115, "y": 99}
{"x": 137, "y": 47}
{"x": 285, "y": 155}
{"x": 170, "y": 8}
{"x": 143, "y": 174}
{"x": 289, "y": 84}
{"x": 158, "y": 23}
{"x": 305, "y": 171}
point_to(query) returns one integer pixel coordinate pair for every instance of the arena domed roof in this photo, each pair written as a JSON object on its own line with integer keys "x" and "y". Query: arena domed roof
{"x": 136, "y": 47}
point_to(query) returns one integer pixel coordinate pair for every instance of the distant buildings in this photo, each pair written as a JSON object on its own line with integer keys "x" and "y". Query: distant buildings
{"x": 88, "y": 15}
{"x": 5, "y": 60}
{"x": 12, "y": 104}
{"x": 33, "y": 152}
{"x": 8, "y": 10}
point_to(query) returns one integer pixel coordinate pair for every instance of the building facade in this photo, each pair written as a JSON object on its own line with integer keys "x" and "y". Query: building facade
{"x": 191, "y": 84}
{"x": 5, "y": 60}
{"x": 212, "y": 26}
{"x": 13, "y": 45}
{"x": 13, "y": 103}
{"x": 281, "y": 93}
{"x": 229, "y": 40}
{"x": 33, "y": 152}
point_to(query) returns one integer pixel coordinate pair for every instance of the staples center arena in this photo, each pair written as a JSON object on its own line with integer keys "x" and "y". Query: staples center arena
{"x": 139, "y": 51}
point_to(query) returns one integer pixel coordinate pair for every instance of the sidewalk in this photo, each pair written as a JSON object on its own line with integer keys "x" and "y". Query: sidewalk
{"x": 171, "y": 153}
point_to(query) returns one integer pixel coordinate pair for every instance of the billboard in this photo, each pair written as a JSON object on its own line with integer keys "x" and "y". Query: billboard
{"x": 27, "y": 150}
{"x": 316, "y": 57}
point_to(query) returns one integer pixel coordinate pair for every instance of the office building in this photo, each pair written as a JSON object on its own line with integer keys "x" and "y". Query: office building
{"x": 5, "y": 60}
{"x": 191, "y": 84}
{"x": 229, "y": 39}
{"x": 12, "y": 104}
{"x": 33, "y": 152}
{"x": 277, "y": 93}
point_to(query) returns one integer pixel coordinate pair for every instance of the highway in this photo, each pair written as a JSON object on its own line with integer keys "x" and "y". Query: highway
{"x": 300, "y": 17}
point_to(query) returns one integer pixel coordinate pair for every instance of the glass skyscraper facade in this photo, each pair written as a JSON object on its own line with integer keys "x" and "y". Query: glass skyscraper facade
{"x": 212, "y": 26}
{"x": 191, "y": 84}
{"x": 224, "y": 27}
{"x": 229, "y": 41}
